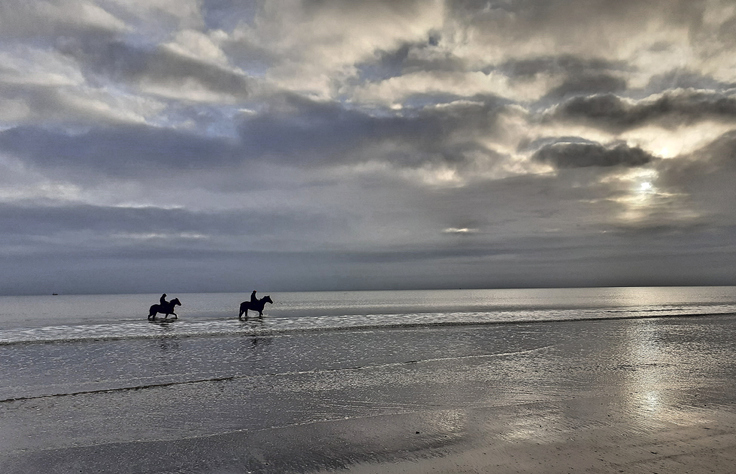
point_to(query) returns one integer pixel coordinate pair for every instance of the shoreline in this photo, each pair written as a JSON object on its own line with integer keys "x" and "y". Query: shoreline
{"x": 278, "y": 331}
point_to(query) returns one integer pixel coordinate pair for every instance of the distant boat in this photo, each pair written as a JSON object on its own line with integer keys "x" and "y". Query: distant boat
{"x": 54, "y": 294}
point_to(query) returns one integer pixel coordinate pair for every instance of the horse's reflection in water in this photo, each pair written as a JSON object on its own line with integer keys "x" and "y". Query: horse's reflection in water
{"x": 256, "y": 341}
{"x": 168, "y": 344}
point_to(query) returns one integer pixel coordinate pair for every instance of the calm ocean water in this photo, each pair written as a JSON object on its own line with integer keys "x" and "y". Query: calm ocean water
{"x": 25, "y": 319}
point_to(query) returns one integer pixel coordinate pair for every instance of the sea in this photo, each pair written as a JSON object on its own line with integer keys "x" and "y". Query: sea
{"x": 327, "y": 379}
{"x": 64, "y": 318}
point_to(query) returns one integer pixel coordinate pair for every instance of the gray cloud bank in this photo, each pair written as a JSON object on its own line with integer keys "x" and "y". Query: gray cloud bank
{"x": 219, "y": 146}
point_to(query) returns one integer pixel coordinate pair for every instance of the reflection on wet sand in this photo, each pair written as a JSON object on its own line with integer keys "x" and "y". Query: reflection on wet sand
{"x": 604, "y": 396}
{"x": 660, "y": 386}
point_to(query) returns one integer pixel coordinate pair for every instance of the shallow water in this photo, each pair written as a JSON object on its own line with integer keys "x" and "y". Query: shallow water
{"x": 329, "y": 379}
{"x": 90, "y": 317}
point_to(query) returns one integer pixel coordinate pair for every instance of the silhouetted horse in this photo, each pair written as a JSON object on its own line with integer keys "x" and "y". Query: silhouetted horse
{"x": 166, "y": 309}
{"x": 257, "y": 306}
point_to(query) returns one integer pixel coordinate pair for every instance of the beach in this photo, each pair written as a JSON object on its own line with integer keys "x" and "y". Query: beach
{"x": 615, "y": 395}
{"x": 388, "y": 236}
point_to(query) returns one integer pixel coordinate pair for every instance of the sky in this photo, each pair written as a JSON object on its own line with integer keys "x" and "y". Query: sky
{"x": 151, "y": 146}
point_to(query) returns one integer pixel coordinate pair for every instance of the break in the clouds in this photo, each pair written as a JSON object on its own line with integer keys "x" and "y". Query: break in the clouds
{"x": 215, "y": 145}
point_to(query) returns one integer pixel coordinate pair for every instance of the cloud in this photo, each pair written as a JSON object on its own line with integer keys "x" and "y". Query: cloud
{"x": 684, "y": 79}
{"x": 460, "y": 231}
{"x": 306, "y": 130}
{"x": 533, "y": 28}
{"x": 385, "y": 144}
{"x": 25, "y": 20}
{"x": 588, "y": 84}
{"x": 127, "y": 150}
{"x": 76, "y": 228}
{"x": 292, "y": 130}
{"x": 705, "y": 177}
{"x": 564, "y": 64}
{"x": 312, "y": 46}
{"x": 581, "y": 155}
{"x": 50, "y": 105}
{"x": 670, "y": 110}
{"x": 161, "y": 70}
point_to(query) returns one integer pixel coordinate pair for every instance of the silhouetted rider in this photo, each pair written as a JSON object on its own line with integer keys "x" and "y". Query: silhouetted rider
{"x": 162, "y": 300}
{"x": 253, "y": 298}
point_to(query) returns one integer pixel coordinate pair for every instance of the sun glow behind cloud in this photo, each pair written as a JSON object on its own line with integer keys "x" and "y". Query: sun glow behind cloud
{"x": 670, "y": 143}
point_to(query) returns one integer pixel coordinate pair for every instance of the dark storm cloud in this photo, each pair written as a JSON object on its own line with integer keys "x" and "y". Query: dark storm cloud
{"x": 581, "y": 155}
{"x": 672, "y": 109}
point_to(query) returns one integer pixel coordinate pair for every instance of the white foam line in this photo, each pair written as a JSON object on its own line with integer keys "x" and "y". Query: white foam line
{"x": 276, "y": 326}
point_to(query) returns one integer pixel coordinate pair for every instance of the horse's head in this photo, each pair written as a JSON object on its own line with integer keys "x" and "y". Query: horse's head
{"x": 267, "y": 299}
{"x": 175, "y": 302}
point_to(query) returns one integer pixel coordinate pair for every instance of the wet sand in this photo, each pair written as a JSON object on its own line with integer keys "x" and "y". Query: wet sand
{"x": 695, "y": 441}
{"x": 650, "y": 395}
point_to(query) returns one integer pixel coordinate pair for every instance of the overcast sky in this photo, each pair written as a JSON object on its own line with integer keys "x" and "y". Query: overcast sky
{"x": 224, "y": 145}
